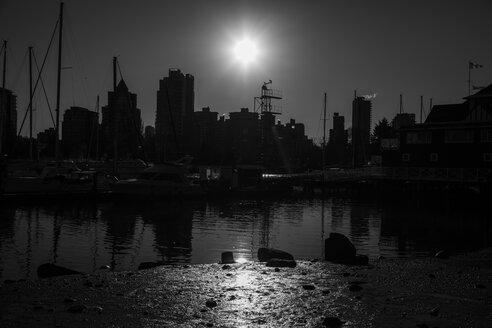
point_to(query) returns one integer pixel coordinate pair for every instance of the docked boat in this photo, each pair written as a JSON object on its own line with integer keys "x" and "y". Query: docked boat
{"x": 161, "y": 180}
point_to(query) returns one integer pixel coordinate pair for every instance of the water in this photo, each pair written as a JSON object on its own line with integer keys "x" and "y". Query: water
{"x": 85, "y": 236}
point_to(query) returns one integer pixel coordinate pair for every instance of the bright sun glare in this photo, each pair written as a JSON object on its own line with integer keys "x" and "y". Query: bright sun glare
{"x": 245, "y": 51}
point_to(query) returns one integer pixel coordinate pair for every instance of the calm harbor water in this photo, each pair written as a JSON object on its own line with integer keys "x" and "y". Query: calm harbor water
{"x": 86, "y": 235}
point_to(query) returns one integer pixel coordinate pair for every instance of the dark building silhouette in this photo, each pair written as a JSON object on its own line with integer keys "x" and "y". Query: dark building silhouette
{"x": 243, "y": 137}
{"x": 121, "y": 125}
{"x": 79, "y": 132}
{"x": 46, "y": 143}
{"x": 403, "y": 120}
{"x": 8, "y": 121}
{"x": 149, "y": 141}
{"x": 338, "y": 140}
{"x": 452, "y": 136}
{"x": 174, "y": 115}
{"x": 361, "y": 130}
{"x": 204, "y": 136}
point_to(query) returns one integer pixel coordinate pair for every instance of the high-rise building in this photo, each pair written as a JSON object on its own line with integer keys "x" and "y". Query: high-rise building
{"x": 80, "y": 132}
{"x": 8, "y": 121}
{"x": 338, "y": 139}
{"x": 204, "y": 128}
{"x": 361, "y": 130}
{"x": 174, "y": 115}
{"x": 243, "y": 137}
{"x": 121, "y": 125}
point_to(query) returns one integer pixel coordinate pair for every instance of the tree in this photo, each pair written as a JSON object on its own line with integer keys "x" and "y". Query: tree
{"x": 382, "y": 130}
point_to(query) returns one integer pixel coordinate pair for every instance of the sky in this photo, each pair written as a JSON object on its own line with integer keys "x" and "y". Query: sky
{"x": 414, "y": 48}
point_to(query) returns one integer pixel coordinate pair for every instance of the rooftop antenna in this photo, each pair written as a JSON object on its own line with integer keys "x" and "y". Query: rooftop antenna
{"x": 57, "y": 127}
{"x": 401, "y": 103}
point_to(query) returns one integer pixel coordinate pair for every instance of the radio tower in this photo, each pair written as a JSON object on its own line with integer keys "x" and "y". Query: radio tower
{"x": 263, "y": 104}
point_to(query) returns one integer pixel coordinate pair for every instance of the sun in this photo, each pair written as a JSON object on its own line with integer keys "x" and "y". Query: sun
{"x": 245, "y": 51}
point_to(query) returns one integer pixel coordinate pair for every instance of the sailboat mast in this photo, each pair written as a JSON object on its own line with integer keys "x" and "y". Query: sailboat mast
{"x": 4, "y": 74}
{"x": 57, "y": 126}
{"x": 30, "y": 105}
{"x": 324, "y": 132}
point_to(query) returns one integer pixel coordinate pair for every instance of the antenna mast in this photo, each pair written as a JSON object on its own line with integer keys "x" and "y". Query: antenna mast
{"x": 57, "y": 126}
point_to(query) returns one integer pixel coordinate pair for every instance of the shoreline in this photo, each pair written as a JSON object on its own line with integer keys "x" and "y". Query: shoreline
{"x": 388, "y": 293}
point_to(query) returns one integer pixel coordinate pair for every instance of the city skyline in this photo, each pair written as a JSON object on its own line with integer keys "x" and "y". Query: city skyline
{"x": 414, "y": 49}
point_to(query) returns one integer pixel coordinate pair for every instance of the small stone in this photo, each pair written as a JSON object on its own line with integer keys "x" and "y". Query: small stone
{"x": 209, "y": 324}
{"x": 77, "y": 308}
{"x": 211, "y": 303}
{"x": 442, "y": 254}
{"x": 355, "y": 288}
{"x": 232, "y": 298}
{"x": 229, "y": 274}
{"x": 104, "y": 267}
{"x": 325, "y": 292}
{"x": 308, "y": 287}
{"x": 97, "y": 309}
{"x": 332, "y": 322}
{"x": 434, "y": 311}
{"x": 381, "y": 257}
{"x": 226, "y": 267}
{"x": 69, "y": 300}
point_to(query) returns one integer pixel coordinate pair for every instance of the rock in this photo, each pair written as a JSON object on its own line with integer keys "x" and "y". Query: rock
{"x": 69, "y": 300}
{"x": 355, "y": 288}
{"x": 280, "y": 263}
{"x": 332, "y": 322}
{"x": 265, "y": 254}
{"x": 226, "y": 267}
{"x": 227, "y": 258}
{"x": 442, "y": 254}
{"x": 97, "y": 309}
{"x": 104, "y": 267}
{"x": 308, "y": 287}
{"x": 48, "y": 270}
{"x": 434, "y": 311}
{"x": 339, "y": 249}
{"x": 77, "y": 308}
{"x": 210, "y": 303}
{"x": 277, "y": 270}
{"x": 148, "y": 265}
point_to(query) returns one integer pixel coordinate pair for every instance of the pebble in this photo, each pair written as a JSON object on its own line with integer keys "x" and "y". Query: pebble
{"x": 332, "y": 322}
{"x": 77, "y": 308}
{"x": 211, "y": 303}
{"x": 355, "y": 288}
{"x": 226, "y": 267}
{"x": 308, "y": 287}
{"x": 434, "y": 311}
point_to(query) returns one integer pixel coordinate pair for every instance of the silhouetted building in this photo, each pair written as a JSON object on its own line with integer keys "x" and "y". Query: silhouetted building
{"x": 174, "y": 115}
{"x": 46, "y": 143}
{"x": 8, "y": 121}
{"x": 338, "y": 140}
{"x": 121, "y": 125}
{"x": 361, "y": 130}
{"x": 79, "y": 132}
{"x": 204, "y": 137}
{"x": 243, "y": 137}
{"x": 452, "y": 136}
{"x": 403, "y": 120}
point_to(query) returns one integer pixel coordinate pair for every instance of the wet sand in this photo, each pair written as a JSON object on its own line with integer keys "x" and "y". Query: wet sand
{"x": 455, "y": 292}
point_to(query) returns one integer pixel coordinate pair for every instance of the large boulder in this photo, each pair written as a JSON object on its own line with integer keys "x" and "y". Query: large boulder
{"x": 227, "y": 258}
{"x": 339, "y": 249}
{"x": 48, "y": 270}
{"x": 280, "y": 263}
{"x": 265, "y": 254}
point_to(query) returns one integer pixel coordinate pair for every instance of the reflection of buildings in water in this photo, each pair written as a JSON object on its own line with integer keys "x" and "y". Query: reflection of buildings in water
{"x": 431, "y": 229}
{"x": 337, "y": 211}
{"x": 172, "y": 225}
{"x": 7, "y": 232}
{"x": 359, "y": 221}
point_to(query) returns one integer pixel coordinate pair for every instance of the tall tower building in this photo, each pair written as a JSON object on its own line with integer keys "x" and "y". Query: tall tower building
{"x": 79, "y": 132}
{"x": 361, "y": 130}
{"x": 174, "y": 115}
{"x": 121, "y": 125}
{"x": 338, "y": 138}
{"x": 8, "y": 121}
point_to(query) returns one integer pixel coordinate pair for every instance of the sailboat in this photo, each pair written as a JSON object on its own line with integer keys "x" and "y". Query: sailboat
{"x": 55, "y": 177}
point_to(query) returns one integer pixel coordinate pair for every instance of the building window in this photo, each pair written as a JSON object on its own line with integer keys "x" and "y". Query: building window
{"x": 487, "y": 157}
{"x": 486, "y": 135}
{"x": 405, "y": 157}
{"x": 458, "y": 136}
{"x": 434, "y": 157}
{"x": 419, "y": 137}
